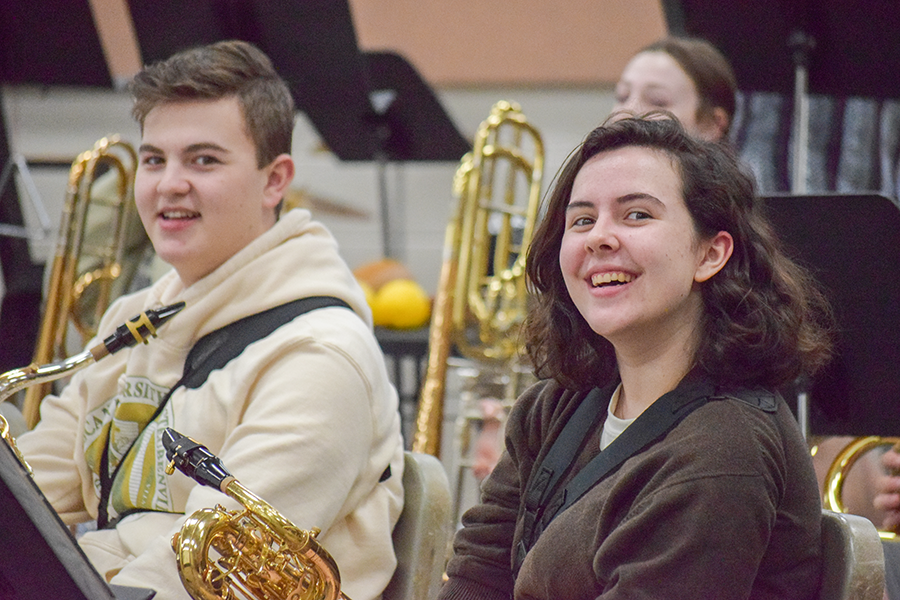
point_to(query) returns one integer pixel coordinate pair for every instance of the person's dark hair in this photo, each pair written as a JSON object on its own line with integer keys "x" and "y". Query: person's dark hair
{"x": 708, "y": 69}
{"x": 222, "y": 70}
{"x": 764, "y": 321}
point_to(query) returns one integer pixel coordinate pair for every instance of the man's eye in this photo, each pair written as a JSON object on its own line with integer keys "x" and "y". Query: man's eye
{"x": 206, "y": 160}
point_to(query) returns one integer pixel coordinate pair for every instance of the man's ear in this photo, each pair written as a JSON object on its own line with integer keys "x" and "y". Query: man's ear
{"x": 280, "y": 174}
{"x": 716, "y": 253}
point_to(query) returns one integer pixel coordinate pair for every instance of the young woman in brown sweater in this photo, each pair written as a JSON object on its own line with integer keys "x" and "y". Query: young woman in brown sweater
{"x": 659, "y": 290}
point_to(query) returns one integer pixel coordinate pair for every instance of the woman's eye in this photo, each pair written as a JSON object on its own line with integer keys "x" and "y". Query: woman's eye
{"x": 151, "y": 160}
{"x": 660, "y": 103}
{"x": 581, "y": 221}
{"x": 637, "y": 215}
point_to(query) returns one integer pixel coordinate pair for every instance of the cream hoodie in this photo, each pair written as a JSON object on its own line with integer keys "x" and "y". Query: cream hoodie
{"x": 305, "y": 418}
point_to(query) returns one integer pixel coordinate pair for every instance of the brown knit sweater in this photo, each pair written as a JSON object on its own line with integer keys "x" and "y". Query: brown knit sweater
{"x": 723, "y": 506}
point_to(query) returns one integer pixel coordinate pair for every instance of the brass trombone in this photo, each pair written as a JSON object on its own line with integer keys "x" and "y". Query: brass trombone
{"x": 81, "y": 282}
{"x": 480, "y": 303}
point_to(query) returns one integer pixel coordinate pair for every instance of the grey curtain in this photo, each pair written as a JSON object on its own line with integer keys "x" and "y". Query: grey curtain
{"x": 854, "y": 143}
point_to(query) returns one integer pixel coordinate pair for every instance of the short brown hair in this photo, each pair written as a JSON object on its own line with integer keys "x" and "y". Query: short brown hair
{"x": 221, "y": 70}
{"x": 764, "y": 320}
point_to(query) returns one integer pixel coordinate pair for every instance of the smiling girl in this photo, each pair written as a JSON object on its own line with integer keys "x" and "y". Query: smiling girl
{"x": 665, "y": 319}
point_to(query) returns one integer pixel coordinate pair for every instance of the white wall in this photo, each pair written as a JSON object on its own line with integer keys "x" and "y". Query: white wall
{"x": 60, "y": 123}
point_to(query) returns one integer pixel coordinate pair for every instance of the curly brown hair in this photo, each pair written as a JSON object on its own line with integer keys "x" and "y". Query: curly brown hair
{"x": 764, "y": 322}
{"x": 222, "y": 70}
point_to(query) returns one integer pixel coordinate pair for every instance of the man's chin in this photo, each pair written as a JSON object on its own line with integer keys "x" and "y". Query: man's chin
{"x": 179, "y": 259}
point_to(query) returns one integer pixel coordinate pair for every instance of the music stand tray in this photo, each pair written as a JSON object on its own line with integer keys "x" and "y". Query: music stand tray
{"x": 40, "y": 557}
{"x": 851, "y": 243}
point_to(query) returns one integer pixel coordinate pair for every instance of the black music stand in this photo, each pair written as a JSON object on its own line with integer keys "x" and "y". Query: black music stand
{"x": 53, "y": 42}
{"x": 853, "y": 43}
{"x": 314, "y": 48}
{"x": 40, "y": 557}
{"x": 852, "y": 245}
{"x": 831, "y": 47}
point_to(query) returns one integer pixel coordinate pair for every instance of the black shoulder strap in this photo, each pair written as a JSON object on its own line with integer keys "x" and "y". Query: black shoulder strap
{"x": 214, "y": 350}
{"x": 211, "y": 352}
{"x": 546, "y": 477}
{"x": 659, "y": 418}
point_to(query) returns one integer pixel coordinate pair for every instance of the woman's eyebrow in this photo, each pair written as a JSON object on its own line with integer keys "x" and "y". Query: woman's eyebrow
{"x": 638, "y": 196}
{"x": 633, "y": 197}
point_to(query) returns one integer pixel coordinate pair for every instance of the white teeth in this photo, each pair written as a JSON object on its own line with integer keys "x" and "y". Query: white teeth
{"x": 178, "y": 214}
{"x": 616, "y": 276}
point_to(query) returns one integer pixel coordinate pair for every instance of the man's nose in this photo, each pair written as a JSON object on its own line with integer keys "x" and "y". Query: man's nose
{"x": 173, "y": 181}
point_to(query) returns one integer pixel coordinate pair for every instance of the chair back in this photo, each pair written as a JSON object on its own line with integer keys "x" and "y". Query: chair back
{"x": 853, "y": 558}
{"x": 422, "y": 535}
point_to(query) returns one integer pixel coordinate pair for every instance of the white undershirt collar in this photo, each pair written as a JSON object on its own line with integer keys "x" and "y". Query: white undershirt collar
{"x": 613, "y": 426}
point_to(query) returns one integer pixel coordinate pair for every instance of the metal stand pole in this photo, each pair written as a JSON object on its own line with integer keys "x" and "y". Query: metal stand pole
{"x": 381, "y": 101}
{"x": 801, "y": 45}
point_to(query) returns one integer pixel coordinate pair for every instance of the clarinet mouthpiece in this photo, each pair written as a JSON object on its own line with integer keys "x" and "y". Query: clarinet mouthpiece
{"x": 193, "y": 459}
{"x": 139, "y": 329}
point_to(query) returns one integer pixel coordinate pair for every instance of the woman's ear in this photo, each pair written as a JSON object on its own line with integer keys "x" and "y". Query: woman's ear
{"x": 716, "y": 252}
{"x": 280, "y": 174}
{"x": 714, "y": 126}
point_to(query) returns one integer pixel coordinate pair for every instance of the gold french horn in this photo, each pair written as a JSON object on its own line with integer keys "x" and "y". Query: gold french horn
{"x": 254, "y": 553}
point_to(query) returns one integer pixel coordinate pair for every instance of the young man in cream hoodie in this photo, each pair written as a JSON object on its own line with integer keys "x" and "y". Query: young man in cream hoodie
{"x": 305, "y": 417}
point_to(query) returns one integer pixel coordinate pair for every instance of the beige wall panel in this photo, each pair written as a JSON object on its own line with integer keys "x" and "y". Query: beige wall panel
{"x": 510, "y": 42}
